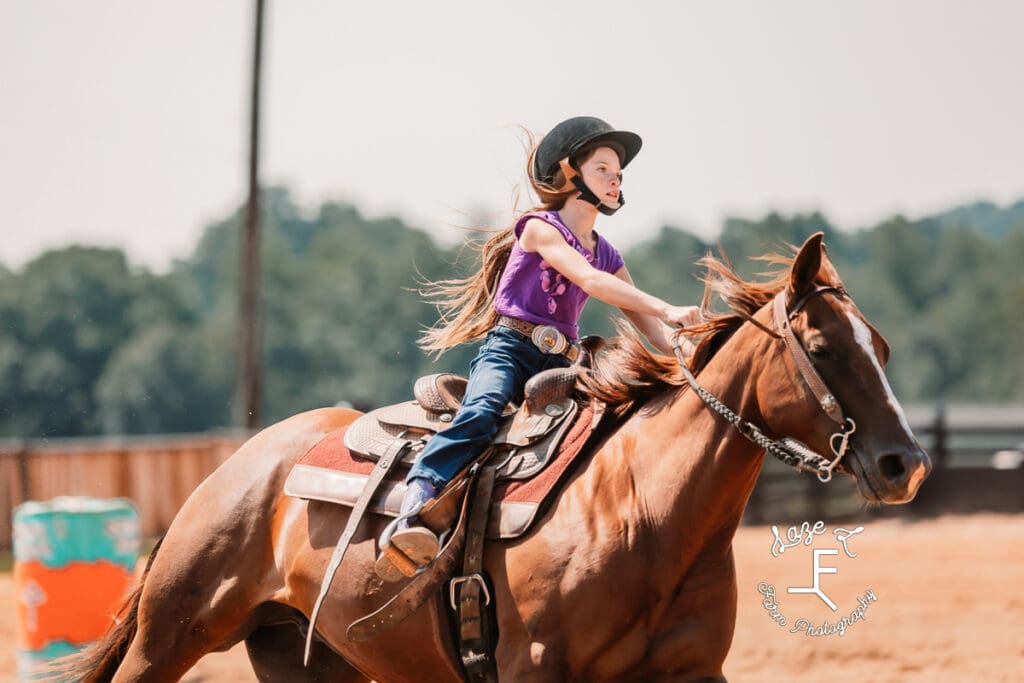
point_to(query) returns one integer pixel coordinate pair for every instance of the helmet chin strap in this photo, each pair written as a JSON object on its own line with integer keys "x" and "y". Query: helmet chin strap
{"x": 586, "y": 194}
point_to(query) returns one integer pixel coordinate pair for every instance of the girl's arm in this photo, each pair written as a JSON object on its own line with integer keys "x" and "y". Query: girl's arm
{"x": 543, "y": 238}
{"x": 657, "y": 333}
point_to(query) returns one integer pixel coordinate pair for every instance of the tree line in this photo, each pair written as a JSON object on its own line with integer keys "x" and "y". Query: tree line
{"x": 91, "y": 344}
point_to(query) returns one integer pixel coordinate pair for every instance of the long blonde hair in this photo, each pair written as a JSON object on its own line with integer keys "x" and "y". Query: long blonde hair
{"x": 466, "y": 305}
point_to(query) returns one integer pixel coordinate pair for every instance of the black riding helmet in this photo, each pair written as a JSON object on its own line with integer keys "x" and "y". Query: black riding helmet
{"x": 580, "y": 133}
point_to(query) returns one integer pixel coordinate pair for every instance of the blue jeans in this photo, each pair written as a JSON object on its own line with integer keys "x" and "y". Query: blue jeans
{"x": 505, "y": 361}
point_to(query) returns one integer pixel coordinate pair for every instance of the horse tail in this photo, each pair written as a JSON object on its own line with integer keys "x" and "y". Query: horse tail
{"x": 99, "y": 662}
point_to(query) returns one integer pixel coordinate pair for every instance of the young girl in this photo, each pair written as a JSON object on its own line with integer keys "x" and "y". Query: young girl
{"x": 538, "y": 272}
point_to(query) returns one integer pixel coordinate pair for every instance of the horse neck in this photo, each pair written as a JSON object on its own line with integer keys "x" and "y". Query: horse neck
{"x": 695, "y": 471}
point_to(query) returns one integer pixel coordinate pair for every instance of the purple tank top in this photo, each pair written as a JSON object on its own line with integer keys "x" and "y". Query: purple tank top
{"x": 532, "y": 290}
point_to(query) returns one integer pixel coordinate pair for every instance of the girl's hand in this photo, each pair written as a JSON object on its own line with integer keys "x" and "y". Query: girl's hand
{"x": 683, "y": 316}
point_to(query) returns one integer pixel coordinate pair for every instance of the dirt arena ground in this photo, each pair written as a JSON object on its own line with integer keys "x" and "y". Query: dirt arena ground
{"x": 949, "y": 607}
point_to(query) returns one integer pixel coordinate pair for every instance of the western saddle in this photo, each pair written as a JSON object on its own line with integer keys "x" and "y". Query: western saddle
{"x": 527, "y": 440}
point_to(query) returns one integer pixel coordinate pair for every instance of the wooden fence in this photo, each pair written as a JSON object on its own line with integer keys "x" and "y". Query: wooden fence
{"x": 159, "y": 472}
{"x": 156, "y": 472}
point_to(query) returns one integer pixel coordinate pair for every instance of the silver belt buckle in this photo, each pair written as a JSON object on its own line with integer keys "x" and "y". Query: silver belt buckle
{"x": 549, "y": 340}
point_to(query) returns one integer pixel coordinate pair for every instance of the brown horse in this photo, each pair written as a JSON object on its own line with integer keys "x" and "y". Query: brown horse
{"x": 629, "y": 576}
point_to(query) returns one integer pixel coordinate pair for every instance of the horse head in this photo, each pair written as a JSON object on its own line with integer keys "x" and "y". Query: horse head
{"x": 839, "y": 394}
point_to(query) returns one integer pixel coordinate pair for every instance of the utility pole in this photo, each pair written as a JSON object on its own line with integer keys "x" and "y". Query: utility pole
{"x": 250, "y": 357}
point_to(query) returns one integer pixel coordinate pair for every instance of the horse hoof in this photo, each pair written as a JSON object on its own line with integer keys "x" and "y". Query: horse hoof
{"x": 409, "y": 550}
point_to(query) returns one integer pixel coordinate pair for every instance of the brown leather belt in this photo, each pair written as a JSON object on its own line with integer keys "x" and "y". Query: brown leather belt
{"x": 571, "y": 351}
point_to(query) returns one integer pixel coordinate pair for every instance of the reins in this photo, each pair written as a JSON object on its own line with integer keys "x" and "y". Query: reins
{"x": 788, "y": 450}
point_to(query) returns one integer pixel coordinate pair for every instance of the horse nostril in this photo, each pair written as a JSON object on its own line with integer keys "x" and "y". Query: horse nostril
{"x": 892, "y": 467}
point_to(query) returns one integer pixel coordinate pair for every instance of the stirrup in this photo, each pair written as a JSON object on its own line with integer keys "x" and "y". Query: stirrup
{"x": 406, "y": 552}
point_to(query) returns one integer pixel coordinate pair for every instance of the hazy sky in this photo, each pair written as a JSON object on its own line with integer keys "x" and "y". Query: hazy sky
{"x": 125, "y": 123}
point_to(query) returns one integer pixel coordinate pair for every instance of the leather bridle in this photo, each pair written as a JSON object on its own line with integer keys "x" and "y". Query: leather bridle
{"x": 788, "y": 450}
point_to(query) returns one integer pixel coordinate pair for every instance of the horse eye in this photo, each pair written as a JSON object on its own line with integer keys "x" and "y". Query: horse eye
{"x": 817, "y": 350}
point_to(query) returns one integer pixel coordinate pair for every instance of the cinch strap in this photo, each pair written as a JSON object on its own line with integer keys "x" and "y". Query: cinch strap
{"x": 476, "y": 645}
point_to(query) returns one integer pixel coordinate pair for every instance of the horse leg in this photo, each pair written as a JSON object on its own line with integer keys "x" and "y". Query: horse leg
{"x": 276, "y": 655}
{"x": 215, "y": 574}
{"x": 704, "y": 614}
{"x": 198, "y": 598}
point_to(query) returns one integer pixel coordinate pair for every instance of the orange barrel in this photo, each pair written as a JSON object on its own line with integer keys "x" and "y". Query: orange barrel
{"x": 74, "y": 559}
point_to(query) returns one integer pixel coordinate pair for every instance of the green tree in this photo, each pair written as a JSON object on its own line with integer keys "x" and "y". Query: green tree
{"x": 90, "y": 344}
{"x": 63, "y": 315}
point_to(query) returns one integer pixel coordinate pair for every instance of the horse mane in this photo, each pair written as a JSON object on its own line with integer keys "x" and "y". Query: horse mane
{"x": 624, "y": 372}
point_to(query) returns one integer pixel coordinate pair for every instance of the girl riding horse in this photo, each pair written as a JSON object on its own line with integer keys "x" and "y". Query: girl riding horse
{"x": 627, "y": 577}
{"x": 545, "y": 267}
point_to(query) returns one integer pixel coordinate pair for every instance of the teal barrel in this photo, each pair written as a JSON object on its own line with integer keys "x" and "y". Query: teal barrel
{"x": 74, "y": 559}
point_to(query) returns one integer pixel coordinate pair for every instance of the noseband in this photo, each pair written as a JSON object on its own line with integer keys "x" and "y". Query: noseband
{"x": 790, "y": 451}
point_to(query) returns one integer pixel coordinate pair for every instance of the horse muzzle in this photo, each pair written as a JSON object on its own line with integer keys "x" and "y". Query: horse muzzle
{"x": 893, "y": 476}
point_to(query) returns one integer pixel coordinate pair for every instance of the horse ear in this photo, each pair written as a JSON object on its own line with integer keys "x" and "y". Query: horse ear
{"x": 806, "y": 266}
{"x": 828, "y": 273}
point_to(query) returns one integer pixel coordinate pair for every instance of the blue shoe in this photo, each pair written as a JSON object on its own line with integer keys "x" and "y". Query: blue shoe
{"x": 418, "y": 491}
{"x": 411, "y": 545}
